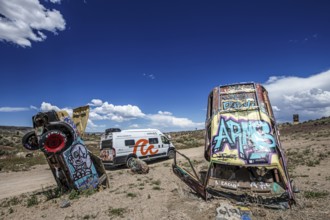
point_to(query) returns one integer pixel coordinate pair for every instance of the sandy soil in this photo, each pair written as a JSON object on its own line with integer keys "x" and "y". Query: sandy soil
{"x": 156, "y": 195}
{"x": 16, "y": 183}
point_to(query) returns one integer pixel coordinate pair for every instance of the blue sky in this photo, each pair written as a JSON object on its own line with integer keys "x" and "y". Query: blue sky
{"x": 142, "y": 64}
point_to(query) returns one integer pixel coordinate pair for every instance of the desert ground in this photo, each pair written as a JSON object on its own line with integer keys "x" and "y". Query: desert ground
{"x": 30, "y": 192}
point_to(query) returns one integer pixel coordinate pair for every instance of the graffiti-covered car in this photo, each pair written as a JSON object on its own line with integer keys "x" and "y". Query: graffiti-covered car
{"x": 59, "y": 137}
{"x": 242, "y": 145}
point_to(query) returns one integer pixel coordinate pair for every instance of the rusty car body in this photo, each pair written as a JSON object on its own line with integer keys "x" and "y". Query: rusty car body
{"x": 243, "y": 149}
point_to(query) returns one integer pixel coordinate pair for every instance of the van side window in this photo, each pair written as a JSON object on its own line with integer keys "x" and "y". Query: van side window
{"x": 165, "y": 140}
{"x": 153, "y": 140}
{"x": 129, "y": 142}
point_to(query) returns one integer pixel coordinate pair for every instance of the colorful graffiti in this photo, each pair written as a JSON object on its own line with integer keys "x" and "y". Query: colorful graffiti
{"x": 142, "y": 143}
{"x": 237, "y": 101}
{"x": 82, "y": 170}
{"x": 237, "y": 88}
{"x": 106, "y": 155}
{"x": 252, "y": 138}
{"x": 231, "y": 212}
{"x": 71, "y": 123}
{"x": 253, "y": 185}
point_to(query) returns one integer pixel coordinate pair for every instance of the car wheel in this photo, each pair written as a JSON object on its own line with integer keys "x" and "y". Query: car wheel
{"x": 30, "y": 141}
{"x": 65, "y": 128}
{"x": 53, "y": 141}
{"x": 130, "y": 161}
{"x": 171, "y": 154}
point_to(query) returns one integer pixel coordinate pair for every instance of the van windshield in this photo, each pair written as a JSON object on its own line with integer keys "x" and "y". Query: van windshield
{"x": 165, "y": 140}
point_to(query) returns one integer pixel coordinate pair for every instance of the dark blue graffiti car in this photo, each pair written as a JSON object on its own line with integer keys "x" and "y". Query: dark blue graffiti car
{"x": 59, "y": 137}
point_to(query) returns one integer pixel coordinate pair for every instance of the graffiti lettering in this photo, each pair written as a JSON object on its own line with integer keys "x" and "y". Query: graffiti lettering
{"x": 253, "y": 139}
{"x": 235, "y": 88}
{"x": 229, "y": 184}
{"x": 143, "y": 143}
{"x": 260, "y": 185}
{"x": 238, "y": 104}
{"x": 228, "y": 211}
{"x": 236, "y": 185}
{"x": 241, "y": 133}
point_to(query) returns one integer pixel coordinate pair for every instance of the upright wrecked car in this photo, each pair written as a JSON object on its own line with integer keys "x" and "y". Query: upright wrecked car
{"x": 60, "y": 138}
{"x": 242, "y": 145}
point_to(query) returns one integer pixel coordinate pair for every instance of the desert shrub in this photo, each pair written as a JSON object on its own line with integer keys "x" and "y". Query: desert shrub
{"x": 315, "y": 194}
{"x": 10, "y": 202}
{"x": 88, "y": 192}
{"x": 74, "y": 194}
{"x": 11, "y": 210}
{"x": 52, "y": 193}
{"x": 32, "y": 201}
{"x": 114, "y": 212}
{"x": 156, "y": 182}
{"x": 13, "y": 163}
{"x": 132, "y": 195}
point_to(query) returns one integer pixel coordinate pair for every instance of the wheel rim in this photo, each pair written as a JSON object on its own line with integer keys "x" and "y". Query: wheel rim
{"x": 55, "y": 142}
{"x": 130, "y": 162}
{"x": 171, "y": 154}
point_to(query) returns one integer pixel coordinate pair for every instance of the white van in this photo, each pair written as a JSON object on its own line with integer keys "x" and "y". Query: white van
{"x": 120, "y": 147}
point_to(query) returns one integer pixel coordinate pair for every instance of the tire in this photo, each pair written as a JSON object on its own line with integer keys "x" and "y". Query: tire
{"x": 129, "y": 161}
{"x": 63, "y": 127}
{"x": 171, "y": 154}
{"x": 30, "y": 141}
{"x": 53, "y": 141}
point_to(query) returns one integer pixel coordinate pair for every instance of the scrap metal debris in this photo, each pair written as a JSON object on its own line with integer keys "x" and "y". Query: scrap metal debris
{"x": 65, "y": 203}
{"x": 139, "y": 166}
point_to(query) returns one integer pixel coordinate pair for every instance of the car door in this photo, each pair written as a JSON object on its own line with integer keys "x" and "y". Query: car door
{"x": 189, "y": 176}
{"x": 165, "y": 145}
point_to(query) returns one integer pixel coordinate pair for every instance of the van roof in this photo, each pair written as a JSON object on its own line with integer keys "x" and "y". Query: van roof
{"x": 140, "y": 130}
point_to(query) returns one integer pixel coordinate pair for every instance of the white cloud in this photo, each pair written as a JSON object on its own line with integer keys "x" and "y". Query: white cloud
{"x": 34, "y": 108}
{"x": 276, "y": 109}
{"x": 48, "y": 107}
{"x": 23, "y": 21}
{"x": 93, "y": 115}
{"x": 164, "y": 113}
{"x": 92, "y": 126}
{"x": 55, "y": 1}
{"x": 13, "y": 109}
{"x": 309, "y": 97}
{"x": 118, "y": 112}
{"x": 107, "y": 113}
{"x": 167, "y": 120}
{"x": 149, "y": 76}
{"x": 134, "y": 126}
{"x": 96, "y": 102}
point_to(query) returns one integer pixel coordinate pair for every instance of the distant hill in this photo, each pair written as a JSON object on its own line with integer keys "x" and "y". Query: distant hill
{"x": 12, "y": 135}
{"x": 14, "y": 130}
{"x": 319, "y": 127}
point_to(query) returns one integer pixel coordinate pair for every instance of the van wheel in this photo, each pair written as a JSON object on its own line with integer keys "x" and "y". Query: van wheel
{"x": 171, "y": 154}
{"x": 130, "y": 162}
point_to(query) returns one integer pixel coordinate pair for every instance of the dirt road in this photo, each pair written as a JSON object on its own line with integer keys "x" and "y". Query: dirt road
{"x": 16, "y": 183}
